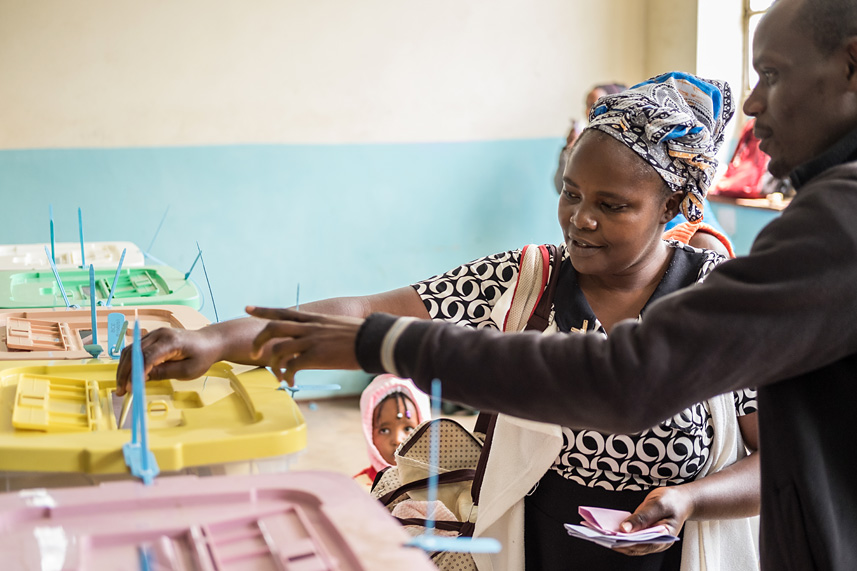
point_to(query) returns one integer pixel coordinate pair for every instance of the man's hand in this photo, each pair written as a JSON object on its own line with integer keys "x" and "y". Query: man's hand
{"x": 301, "y": 340}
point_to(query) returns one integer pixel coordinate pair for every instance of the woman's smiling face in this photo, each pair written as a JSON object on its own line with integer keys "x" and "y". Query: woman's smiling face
{"x": 613, "y": 206}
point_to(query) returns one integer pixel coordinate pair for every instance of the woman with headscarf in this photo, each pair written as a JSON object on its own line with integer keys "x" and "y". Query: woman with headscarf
{"x": 654, "y": 145}
{"x": 707, "y": 235}
{"x": 647, "y": 153}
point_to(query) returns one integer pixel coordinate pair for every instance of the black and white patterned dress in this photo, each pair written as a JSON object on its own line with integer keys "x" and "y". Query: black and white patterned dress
{"x": 670, "y": 453}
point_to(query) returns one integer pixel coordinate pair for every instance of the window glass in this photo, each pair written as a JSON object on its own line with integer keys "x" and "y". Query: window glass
{"x": 752, "y": 76}
{"x": 755, "y": 9}
{"x": 760, "y": 5}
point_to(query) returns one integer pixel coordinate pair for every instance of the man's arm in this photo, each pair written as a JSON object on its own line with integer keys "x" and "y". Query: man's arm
{"x": 786, "y": 309}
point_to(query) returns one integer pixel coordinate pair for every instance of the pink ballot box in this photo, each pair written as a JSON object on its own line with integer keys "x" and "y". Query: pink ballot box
{"x": 299, "y": 521}
{"x": 62, "y": 333}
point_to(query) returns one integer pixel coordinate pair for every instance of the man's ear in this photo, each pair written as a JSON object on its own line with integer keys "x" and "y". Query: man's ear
{"x": 851, "y": 58}
{"x": 672, "y": 205}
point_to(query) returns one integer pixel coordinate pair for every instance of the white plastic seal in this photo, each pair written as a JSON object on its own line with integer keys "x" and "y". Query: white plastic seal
{"x": 38, "y": 497}
{"x": 53, "y": 545}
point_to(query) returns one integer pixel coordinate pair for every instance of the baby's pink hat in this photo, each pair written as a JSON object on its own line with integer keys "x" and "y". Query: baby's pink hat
{"x": 380, "y": 387}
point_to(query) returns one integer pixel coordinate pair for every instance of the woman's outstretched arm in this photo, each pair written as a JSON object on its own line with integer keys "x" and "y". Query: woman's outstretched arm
{"x": 182, "y": 354}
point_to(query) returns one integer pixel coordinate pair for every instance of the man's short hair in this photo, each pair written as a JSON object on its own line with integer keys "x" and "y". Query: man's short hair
{"x": 830, "y": 22}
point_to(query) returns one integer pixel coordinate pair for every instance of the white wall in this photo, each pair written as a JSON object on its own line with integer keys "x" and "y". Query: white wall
{"x": 671, "y": 36}
{"x": 116, "y": 73}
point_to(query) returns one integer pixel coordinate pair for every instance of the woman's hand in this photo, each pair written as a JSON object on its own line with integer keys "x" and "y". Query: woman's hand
{"x": 733, "y": 492}
{"x": 169, "y": 354}
{"x": 301, "y": 340}
{"x": 670, "y": 506}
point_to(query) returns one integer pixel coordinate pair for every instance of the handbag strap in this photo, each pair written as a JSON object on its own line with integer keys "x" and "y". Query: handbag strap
{"x": 462, "y": 528}
{"x": 483, "y": 423}
{"x": 489, "y": 420}
{"x": 453, "y": 476}
{"x": 538, "y": 321}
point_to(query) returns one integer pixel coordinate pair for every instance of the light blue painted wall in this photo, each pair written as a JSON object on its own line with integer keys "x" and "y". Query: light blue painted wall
{"x": 743, "y": 223}
{"x": 339, "y": 219}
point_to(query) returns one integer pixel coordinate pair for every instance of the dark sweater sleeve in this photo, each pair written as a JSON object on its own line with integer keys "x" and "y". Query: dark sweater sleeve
{"x": 786, "y": 309}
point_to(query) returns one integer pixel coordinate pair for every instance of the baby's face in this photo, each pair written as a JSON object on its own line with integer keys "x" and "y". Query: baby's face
{"x": 394, "y": 423}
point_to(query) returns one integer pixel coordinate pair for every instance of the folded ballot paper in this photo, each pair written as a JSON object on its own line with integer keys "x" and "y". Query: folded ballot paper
{"x": 601, "y": 526}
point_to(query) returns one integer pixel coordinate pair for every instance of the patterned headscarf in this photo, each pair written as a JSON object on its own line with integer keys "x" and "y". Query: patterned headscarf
{"x": 675, "y": 123}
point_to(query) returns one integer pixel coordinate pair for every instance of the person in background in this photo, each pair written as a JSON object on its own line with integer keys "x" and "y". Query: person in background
{"x": 783, "y": 318}
{"x": 703, "y": 236}
{"x": 390, "y": 409}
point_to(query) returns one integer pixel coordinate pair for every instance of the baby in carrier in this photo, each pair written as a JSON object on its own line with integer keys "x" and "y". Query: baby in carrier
{"x": 390, "y": 409}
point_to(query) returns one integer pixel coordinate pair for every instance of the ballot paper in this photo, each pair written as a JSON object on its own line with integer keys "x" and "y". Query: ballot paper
{"x": 601, "y": 526}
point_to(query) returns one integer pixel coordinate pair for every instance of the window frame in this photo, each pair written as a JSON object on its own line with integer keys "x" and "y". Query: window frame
{"x": 748, "y": 14}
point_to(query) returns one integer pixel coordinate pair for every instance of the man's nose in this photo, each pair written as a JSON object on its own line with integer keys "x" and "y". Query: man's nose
{"x": 754, "y": 105}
